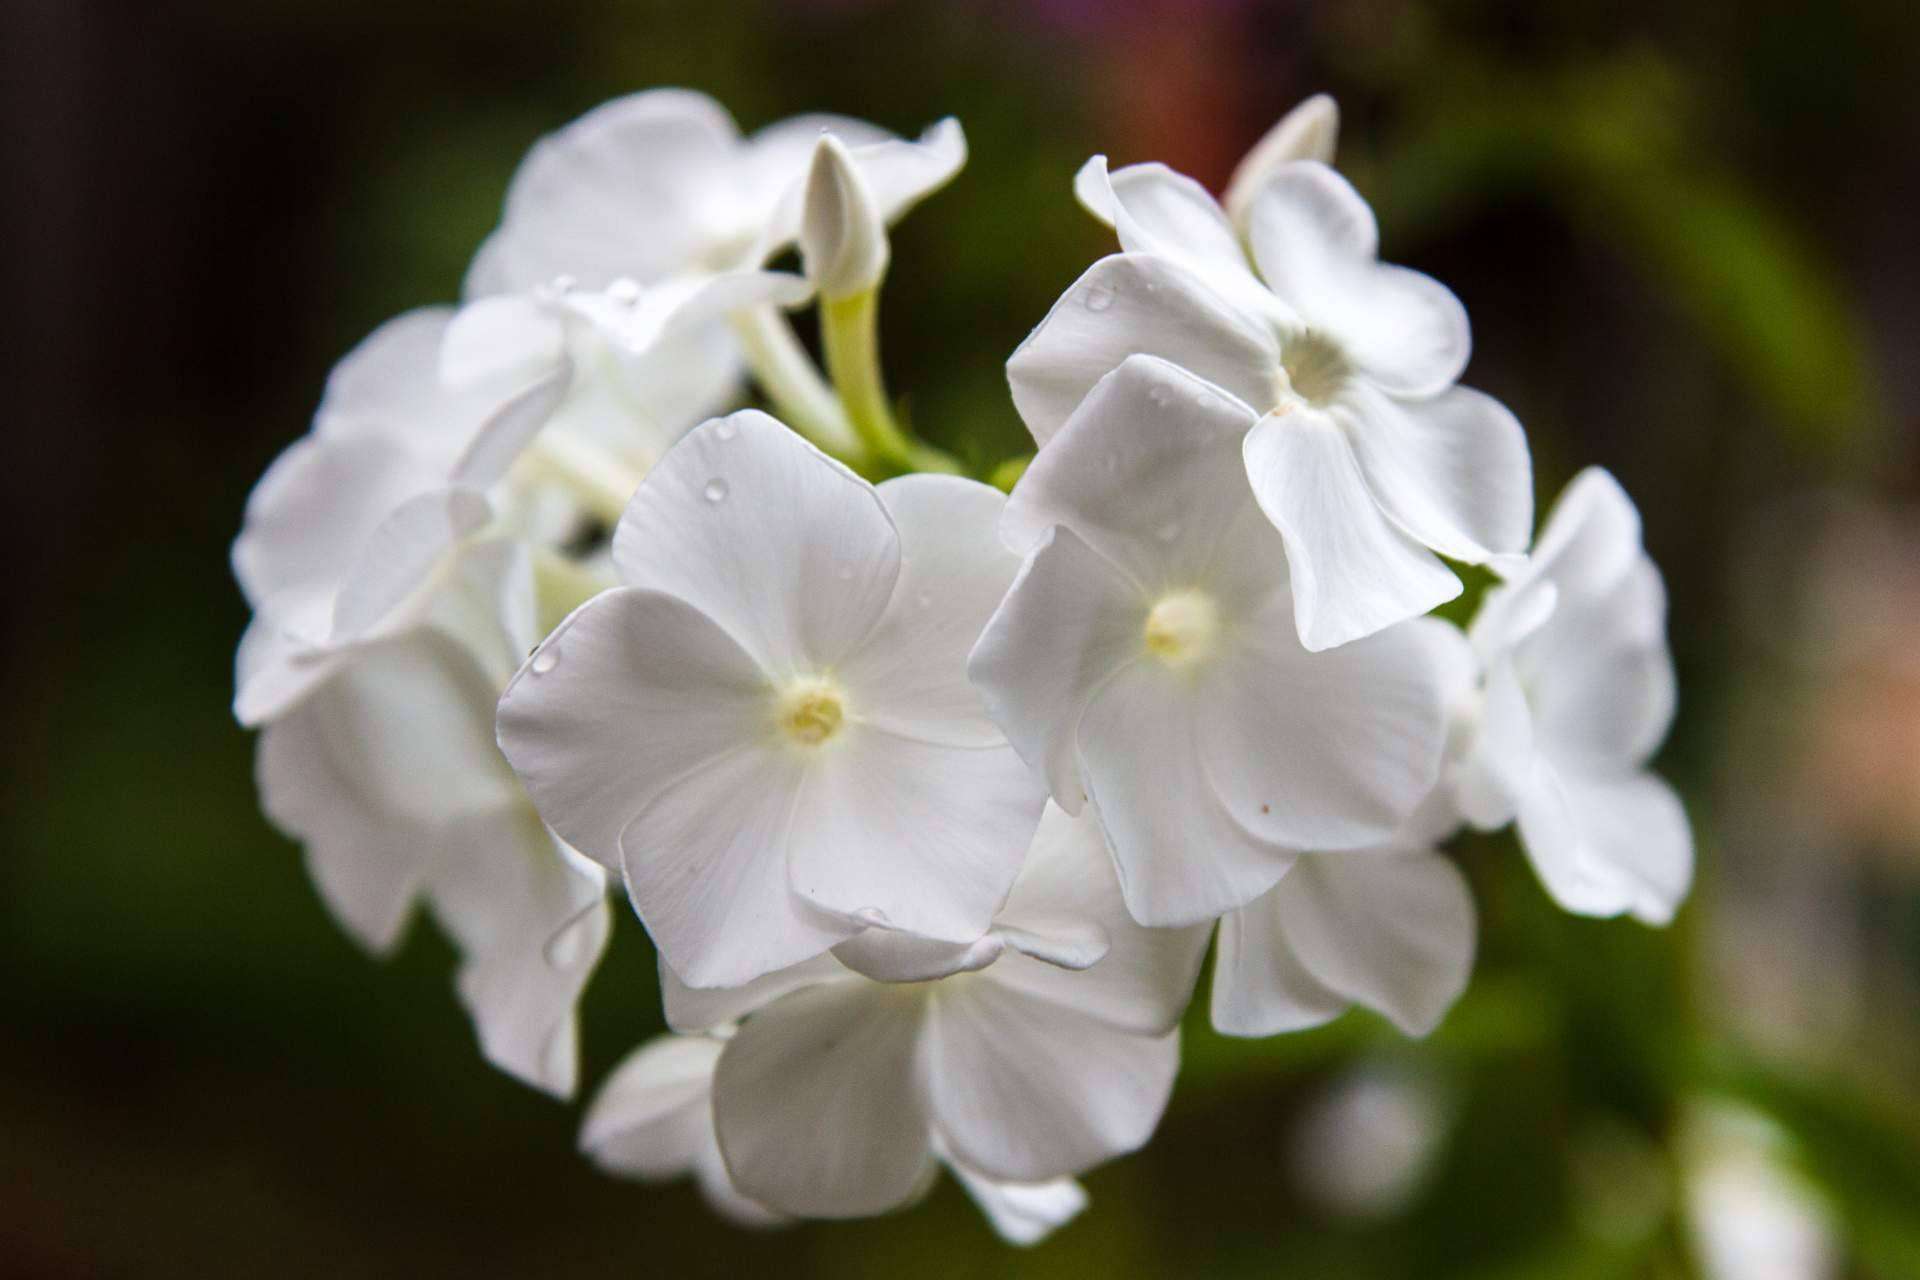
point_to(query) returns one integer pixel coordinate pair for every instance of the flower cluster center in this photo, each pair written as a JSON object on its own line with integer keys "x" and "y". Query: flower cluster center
{"x": 1182, "y": 627}
{"x": 811, "y": 710}
{"x": 1313, "y": 368}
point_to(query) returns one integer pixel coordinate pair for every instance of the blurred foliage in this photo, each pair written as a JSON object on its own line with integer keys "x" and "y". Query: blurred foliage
{"x": 1681, "y": 234}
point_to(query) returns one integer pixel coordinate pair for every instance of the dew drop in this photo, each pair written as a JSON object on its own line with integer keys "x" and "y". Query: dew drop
{"x": 1098, "y": 298}
{"x": 1158, "y": 395}
{"x": 624, "y": 291}
{"x": 716, "y": 491}
{"x": 726, "y": 430}
{"x": 1207, "y": 401}
{"x": 871, "y": 915}
{"x": 545, "y": 660}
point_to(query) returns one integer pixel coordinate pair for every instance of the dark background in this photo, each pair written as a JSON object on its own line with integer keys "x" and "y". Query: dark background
{"x": 1686, "y": 236}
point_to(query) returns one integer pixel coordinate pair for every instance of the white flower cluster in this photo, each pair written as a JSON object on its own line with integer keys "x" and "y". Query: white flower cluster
{"x": 930, "y": 797}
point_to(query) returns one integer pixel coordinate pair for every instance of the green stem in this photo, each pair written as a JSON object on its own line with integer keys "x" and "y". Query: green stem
{"x": 786, "y": 373}
{"x": 850, "y": 333}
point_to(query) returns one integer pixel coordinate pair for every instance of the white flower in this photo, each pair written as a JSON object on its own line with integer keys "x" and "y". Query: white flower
{"x": 854, "y": 1070}
{"x": 1750, "y": 1214}
{"x": 661, "y": 184}
{"x": 769, "y": 727}
{"x": 1146, "y": 658}
{"x": 1367, "y": 458}
{"x": 1391, "y": 929}
{"x": 653, "y": 1120}
{"x": 346, "y": 530}
{"x": 388, "y": 773}
{"x": 843, "y": 242}
{"x": 1578, "y": 694}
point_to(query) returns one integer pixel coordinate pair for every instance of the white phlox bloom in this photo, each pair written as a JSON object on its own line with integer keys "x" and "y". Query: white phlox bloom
{"x": 1146, "y": 657}
{"x": 347, "y": 530}
{"x": 1368, "y": 458}
{"x": 1030, "y": 1055}
{"x": 661, "y": 184}
{"x": 387, "y": 773}
{"x": 768, "y": 726}
{"x": 653, "y": 1120}
{"x": 635, "y": 367}
{"x": 1575, "y": 693}
{"x": 1390, "y": 929}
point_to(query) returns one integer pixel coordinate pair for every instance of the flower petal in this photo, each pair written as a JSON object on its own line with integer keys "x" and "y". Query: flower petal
{"x": 898, "y": 174}
{"x": 1155, "y": 210}
{"x": 1353, "y": 572}
{"x": 1602, "y": 676}
{"x": 910, "y": 673}
{"x": 1068, "y": 622}
{"x": 1326, "y": 750}
{"x": 918, "y": 837}
{"x": 1145, "y": 977}
{"x": 705, "y": 1008}
{"x": 1260, "y": 986}
{"x": 530, "y": 923}
{"x": 405, "y": 548}
{"x": 1024, "y": 1090}
{"x": 1392, "y": 930}
{"x": 1182, "y": 859}
{"x": 632, "y": 188}
{"x": 1316, "y": 243}
{"x": 1023, "y": 1213}
{"x": 793, "y": 554}
{"x": 1308, "y": 132}
{"x": 1604, "y": 846}
{"x": 654, "y": 1114}
{"x": 1128, "y": 304}
{"x": 1147, "y": 471}
{"x": 819, "y": 1106}
{"x": 628, "y": 693}
{"x": 886, "y": 955}
{"x": 707, "y": 864}
{"x": 1453, "y": 471}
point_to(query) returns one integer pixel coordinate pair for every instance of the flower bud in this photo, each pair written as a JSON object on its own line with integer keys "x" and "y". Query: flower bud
{"x": 1308, "y": 132}
{"x": 843, "y": 241}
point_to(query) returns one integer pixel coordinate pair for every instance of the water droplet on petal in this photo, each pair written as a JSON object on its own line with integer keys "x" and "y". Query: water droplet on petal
{"x": 1098, "y": 298}
{"x": 872, "y": 916}
{"x": 544, "y": 660}
{"x": 625, "y": 291}
{"x": 1158, "y": 395}
{"x": 1207, "y": 401}
{"x": 726, "y": 430}
{"x": 716, "y": 491}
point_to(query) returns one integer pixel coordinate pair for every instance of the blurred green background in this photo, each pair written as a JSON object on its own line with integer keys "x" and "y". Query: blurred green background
{"x": 1686, "y": 236}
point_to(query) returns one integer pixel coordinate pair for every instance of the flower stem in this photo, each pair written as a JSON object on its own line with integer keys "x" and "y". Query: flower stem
{"x": 850, "y": 333}
{"x": 798, "y": 392}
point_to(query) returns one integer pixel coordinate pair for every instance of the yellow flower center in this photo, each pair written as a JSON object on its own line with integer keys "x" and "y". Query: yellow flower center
{"x": 1182, "y": 627}
{"x": 811, "y": 710}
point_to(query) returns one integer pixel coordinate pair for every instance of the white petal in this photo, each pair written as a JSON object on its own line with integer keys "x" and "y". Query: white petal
{"x": 1607, "y": 846}
{"x": 1308, "y": 132}
{"x": 1260, "y": 986}
{"x": 273, "y": 669}
{"x": 1068, "y": 622}
{"x": 910, "y": 673}
{"x": 1501, "y": 760}
{"x": 708, "y": 861}
{"x": 1155, "y": 210}
{"x": 886, "y": 955}
{"x": 1353, "y": 572}
{"x": 632, "y": 188}
{"x": 705, "y": 1008}
{"x": 1145, "y": 977}
{"x": 1181, "y": 857}
{"x": 1316, "y": 241}
{"x": 818, "y": 1103}
{"x": 628, "y": 693}
{"x": 922, "y": 838}
{"x": 1023, "y": 1213}
{"x": 1128, "y": 304}
{"x": 1147, "y": 471}
{"x": 1391, "y": 930}
{"x": 897, "y": 172}
{"x": 403, "y": 551}
{"x": 1601, "y": 676}
{"x": 1591, "y": 537}
{"x": 1453, "y": 471}
{"x": 654, "y": 1114}
{"x": 774, "y": 161}
{"x": 790, "y": 552}
{"x": 530, "y": 925}
{"x": 500, "y": 342}
{"x": 1024, "y": 1091}
{"x": 1326, "y": 750}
